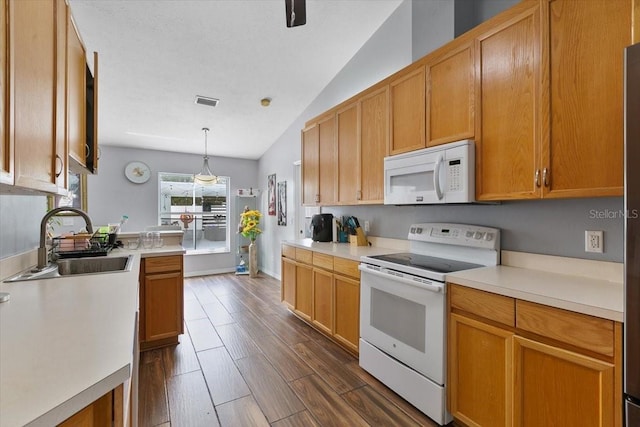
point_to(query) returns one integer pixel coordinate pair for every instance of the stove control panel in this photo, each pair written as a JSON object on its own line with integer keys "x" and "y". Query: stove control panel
{"x": 456, "y": 234}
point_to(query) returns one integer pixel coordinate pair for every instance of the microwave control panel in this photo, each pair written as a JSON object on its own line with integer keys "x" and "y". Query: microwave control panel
{"x": 454, "y": 178}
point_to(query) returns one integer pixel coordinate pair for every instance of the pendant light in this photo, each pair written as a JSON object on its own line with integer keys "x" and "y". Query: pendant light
{"x": 205, "y": 176}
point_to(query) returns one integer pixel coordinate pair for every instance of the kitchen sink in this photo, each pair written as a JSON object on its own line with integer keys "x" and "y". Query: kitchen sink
{"x": 77, "y": 266}
{"x": 72, "y": 266}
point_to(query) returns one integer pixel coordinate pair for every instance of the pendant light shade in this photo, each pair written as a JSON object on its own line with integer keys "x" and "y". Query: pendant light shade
{"x": 205, "y": 176}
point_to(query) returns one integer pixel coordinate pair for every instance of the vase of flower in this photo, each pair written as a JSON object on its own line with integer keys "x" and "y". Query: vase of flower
{"x": 253, "y": 259}
{"x": 249, "y": 221}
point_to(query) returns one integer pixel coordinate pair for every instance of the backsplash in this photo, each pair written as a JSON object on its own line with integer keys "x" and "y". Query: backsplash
{"x": 20, "y": 218}
{"x": 551, "y": 227}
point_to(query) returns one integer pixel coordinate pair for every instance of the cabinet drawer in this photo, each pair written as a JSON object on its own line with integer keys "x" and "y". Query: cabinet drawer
{"x": 304, "y": 255}
{"x": 581, "y": 330}
{"x": 163, "y": 263}
{"x": 494, "y": 307}
{"x": 323, "y": 260}
{"x": 288, "y": 251}
{"x": 346, "y": 267}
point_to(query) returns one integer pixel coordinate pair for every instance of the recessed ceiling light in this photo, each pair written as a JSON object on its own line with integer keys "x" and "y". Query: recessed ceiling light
{"x": 265, "y": 102}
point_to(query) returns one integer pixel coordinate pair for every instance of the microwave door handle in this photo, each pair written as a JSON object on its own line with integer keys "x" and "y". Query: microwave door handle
{"x": 436, "y": 177}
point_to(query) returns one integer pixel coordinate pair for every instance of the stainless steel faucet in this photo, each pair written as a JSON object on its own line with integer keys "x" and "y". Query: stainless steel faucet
{"x": 43, "y": 254}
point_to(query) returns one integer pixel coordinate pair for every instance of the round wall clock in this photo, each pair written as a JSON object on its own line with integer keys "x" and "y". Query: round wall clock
{"x": 137, "y": 172}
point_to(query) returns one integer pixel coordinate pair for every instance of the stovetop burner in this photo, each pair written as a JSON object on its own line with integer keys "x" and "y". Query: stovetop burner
{"x": 438, "y": 265}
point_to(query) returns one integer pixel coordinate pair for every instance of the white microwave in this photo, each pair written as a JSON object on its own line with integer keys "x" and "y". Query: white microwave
{"x": 434, "y": 175}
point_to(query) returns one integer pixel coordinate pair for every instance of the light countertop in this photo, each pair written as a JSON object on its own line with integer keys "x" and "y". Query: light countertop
{"x": 595, "y": 297}
{"x": 342, "y": 250}
{"x": 64, "y": 342}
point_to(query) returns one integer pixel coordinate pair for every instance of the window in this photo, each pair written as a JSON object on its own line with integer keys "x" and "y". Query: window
{"x": 201, "y": 211}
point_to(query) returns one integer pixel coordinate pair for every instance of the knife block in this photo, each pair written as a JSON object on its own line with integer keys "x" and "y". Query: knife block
{"x": 359, "y": 239}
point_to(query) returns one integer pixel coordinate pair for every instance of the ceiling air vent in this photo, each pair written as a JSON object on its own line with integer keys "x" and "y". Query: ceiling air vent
{"x": 209, "y": 102}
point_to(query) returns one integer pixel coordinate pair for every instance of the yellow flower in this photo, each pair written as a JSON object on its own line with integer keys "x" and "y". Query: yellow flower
{"x": 249, "y": 221}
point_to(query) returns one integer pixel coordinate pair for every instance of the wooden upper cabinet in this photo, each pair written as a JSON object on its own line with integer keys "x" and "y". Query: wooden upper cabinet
{"x": 310, "y": 163}
{"x": 451, "y": 96}
{"x": 328, "y": 157}
{"x": 374, "y": 144}
{"x": 319, "y": 162}
{"x": 348, "y": 135}
{"x": 6, "y": 149}
{"x": 585, "y": 152}
{"x": 61, "y": 167}
{"x": 508, "y": 69}
{"x": 407, "y": 93}
{"x": 76, "y": 98}
{"x": 32, "y": 95}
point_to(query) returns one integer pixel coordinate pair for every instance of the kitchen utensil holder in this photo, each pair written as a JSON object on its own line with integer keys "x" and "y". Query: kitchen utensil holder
{"x": 358, "y": 239}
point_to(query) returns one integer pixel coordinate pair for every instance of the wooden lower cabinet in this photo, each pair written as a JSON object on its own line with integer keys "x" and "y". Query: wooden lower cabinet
{"x": 527, "y": 364}
{"x": 288, "y": 286}
{"x": 304, "y": 291}
{"x": 347, "y": 311}
{"x": 103, "y": 412}
{"x": 161, "y": 301}
{"x": 323, "y": 300}
{"x": 480, "y": 379}
{"x": 554, "y": 386}
{"x": 324, "y": 291}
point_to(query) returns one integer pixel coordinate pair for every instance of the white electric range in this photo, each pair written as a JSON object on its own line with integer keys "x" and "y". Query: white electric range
{"x": 403, "y": 309}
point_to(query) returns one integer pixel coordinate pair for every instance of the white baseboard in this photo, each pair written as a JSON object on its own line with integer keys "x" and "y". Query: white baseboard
{"x": 209, "y": 272}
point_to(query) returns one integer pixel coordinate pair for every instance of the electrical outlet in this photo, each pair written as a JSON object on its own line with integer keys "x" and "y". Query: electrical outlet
{"x": 366, "y": 226}
{"x": 594, "y": 241}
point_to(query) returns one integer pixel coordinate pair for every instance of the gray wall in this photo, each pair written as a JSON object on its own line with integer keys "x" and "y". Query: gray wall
{"x": 470, "y": 13}
{"x": 386, "y": 52}
{"x": 552, "y": 227}
{"x": 20, "y": 223}
{"x": 111, "y": 194}
{"x": 432, "y": 25}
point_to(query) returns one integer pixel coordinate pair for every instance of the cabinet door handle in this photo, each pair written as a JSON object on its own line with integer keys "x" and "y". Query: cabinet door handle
{"x": 536, "y": 180}
{"x": 88, "y": 152}
{"x": 359, "y": 195}
{"x": 545, "y": 177}
{"x": 61, "y": 163}
{"x": 317, "y": 198}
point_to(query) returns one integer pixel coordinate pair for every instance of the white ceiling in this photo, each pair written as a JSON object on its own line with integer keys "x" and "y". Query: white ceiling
{"x": 156, "y": 56}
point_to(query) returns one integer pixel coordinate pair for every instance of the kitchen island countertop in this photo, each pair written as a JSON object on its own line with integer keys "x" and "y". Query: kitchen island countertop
{"x": 65, "y": 342}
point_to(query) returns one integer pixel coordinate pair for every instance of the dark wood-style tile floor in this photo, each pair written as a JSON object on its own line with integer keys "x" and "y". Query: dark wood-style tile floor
{"x": 245, "y": 360}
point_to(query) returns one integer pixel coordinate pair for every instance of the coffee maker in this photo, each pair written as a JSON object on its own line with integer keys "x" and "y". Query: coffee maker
{"x": 322, "y": 227}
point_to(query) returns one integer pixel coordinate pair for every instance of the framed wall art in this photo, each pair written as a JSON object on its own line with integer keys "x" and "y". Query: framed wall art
{"x": 282, "y": 203}
{"x": 271, "y": 192}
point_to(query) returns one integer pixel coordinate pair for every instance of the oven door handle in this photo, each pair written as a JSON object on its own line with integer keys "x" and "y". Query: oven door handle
{"x": 427, "y": 286}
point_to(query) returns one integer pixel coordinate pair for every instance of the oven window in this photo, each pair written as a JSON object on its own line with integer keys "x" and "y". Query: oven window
{"x": 399, "y": 318}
